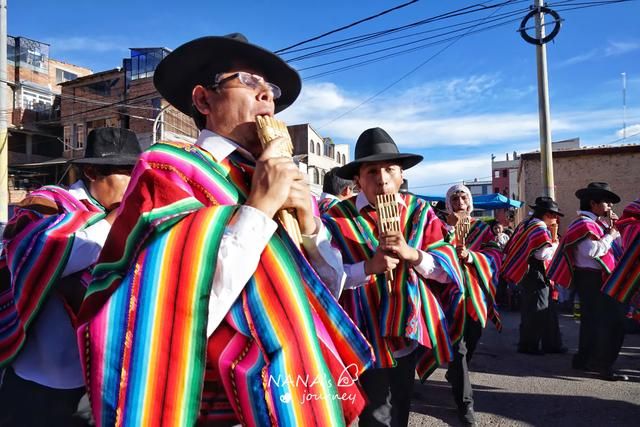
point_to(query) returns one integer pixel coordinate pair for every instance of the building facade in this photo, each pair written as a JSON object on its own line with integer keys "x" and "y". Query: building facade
{"x": 318, "y": 154}
{"x": 574, "y": 169}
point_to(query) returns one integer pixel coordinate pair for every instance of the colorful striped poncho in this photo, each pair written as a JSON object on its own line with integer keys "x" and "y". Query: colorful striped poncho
{"x": 481, "y": 277}
{"x": 529, "y": 236}
{"x": 624, "y": 282}
{"x": 36, "y": 245}
{"x": 286, "y": 352}
{"x": 327, "y": 203}
{"x": 561, "y": 268}
{"x": 428, "y": 313}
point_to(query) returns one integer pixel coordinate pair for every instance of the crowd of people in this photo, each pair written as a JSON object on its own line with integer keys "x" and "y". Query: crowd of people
{"x": 161, "y": 287}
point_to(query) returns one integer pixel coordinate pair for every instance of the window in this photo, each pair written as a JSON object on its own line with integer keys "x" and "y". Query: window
{"x": 311, "y": 147}
{"x": 144, "y": 62}
{"x": 79, "y": 136}
{"x": 504, "y": 173}
{"x": 318, "y": 152}
{"x": 496, "y": 174}
{"x": 344, "y": 159}
{"x": 313, "y": 172}
{"x": 64, "y": 76}
{"x": 67, "y": 138}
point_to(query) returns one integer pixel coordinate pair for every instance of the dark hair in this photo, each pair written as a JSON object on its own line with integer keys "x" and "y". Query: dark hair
{"x": 493, "y": 223}
{"x": 585, "y": 204}
{"x": 333, "y": 184}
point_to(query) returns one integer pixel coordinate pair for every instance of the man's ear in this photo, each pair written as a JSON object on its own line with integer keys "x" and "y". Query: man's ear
{"x": 200, "y": 100}
{"x": 90, "y": 172}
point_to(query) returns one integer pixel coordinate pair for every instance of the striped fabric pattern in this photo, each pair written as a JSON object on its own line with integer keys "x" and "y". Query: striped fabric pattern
{"x": 36, "y": 251}
{"x": 326, "y": 204}
{"x": 284, "y": 341}
{"x": 529, "y": 236}
{"x": 414, "y": 311}
{"x": 624, "y": 281}
{"x": 561, "y": 268}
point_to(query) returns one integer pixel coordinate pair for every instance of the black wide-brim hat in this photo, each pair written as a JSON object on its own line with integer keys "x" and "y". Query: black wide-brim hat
{"x": 111, "y": 146}
{"x": 375, "y": 145}
{"x": 197, "y": 62}
{"x": 546, "y": 204}
{"x": 598, "y": 191}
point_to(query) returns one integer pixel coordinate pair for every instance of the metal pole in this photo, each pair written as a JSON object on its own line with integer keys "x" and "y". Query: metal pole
{"x": 624, "y": 106}
{"x": 4, "y": 112}
{"x": 546, "y": 156}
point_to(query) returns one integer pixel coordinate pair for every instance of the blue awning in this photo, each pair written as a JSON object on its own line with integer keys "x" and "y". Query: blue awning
{"x": 486, "y": 201}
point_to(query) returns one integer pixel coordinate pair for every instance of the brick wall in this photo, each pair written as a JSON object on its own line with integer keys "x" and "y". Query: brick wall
{"x": 573, "y": 170}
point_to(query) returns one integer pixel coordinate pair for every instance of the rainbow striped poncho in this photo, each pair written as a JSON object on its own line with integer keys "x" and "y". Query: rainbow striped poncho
{"x": 148, "y": 360}
{"x": 327, "y": 203}
{"x": 416, "y": 310}
{"x": 529, "y": 236}
{"x": 624, "y": 282}
{"x": 481, "y": 277}
{"x": 561, "y": 268}
{"x": 36, "y": 245}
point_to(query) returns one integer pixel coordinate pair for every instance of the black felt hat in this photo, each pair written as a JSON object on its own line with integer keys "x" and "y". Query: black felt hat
{"x": 111, "y": 146}
{"x": 598, "y": 191}
{"x": 375, "y": 145}
{"x": 546, "y": 204}
{"x": 197, "y": 62}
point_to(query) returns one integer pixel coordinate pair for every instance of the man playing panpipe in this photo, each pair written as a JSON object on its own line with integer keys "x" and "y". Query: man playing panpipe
{"x": 480, "y": 258}
{"x": 526, "y": 260}
{"x": 54, "y": 237}
{"x": 203, "y": 310}
{"x": 585, "y": 259}
{"x": 624, "y": 282}
{"x": 391, "y": 290}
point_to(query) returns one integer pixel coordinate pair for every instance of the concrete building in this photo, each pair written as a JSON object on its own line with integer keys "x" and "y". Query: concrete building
{"x": 35, "y": 135}
{"x": 504, "y": 177}
{"x": 318, "y": 154}
{"x": 574, "y": 169}
{"x": 122, "y": 97}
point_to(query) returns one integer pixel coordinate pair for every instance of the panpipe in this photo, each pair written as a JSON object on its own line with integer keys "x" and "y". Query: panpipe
{"x": 553, "y": 229}
{"x": 462, "y": 228}
{"x": 273, "y": 131}
{"x": 388, "y": 220}
{"x": 612, "y": 222}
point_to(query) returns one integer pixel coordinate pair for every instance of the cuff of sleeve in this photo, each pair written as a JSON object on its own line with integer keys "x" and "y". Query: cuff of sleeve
{"x": 356, "y": 275}
{"x": 427, "y": 264}
{"x": 98, "y": 232}
{"x": 313, "y": 240}
{"x": 252, "y": 224}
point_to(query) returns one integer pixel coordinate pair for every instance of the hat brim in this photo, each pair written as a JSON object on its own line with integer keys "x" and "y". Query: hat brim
{"x": 351, "y": 169}
{"x": 555, "y": 211}
{"x": 597, "y": 193}
{"x": 115, "y": 161}
{"x": 197, "y": 62}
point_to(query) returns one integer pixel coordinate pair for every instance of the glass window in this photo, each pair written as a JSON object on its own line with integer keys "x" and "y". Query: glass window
{"x": 318, "y": 152}
{"x": 504, "y": 173}
{"x": 344, "y": 159}
{"x": 311, "y": 147}
{"x": 496, "y": 174}
{"x": 64, "y": 76}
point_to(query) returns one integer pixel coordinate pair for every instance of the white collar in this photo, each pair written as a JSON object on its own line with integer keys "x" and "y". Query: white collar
{"x": 362, "y": 201}
{"x": 219, "y": 146}
{"x": 589, "y": 214}
{"x": 328, "y": 196}
{"x": 79, "y": 190}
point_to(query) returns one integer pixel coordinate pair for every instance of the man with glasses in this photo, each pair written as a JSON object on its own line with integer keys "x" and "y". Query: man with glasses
{"x": 527, "y": 257}
{"x": 585, "y": 259}
{"x": 203, "y": 309}
{"x": 50, "y": 243}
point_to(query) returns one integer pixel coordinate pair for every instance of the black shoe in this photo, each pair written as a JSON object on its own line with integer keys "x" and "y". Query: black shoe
{"x": 467, "y": 416}
{"x": 613, "y": 376}
{"x": 559, "y": 350}
{"x": 536, "y": 352}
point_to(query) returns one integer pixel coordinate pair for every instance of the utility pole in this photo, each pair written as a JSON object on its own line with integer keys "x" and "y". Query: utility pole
{"x": 4, "y": 112}
{"x": 624, "y": 106}
{"x": 546, "y": 151}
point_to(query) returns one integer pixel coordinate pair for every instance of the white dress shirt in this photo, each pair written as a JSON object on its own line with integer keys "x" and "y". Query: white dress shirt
{"x": 247, "y": 235}
{"x": 588, "y": 249}
{"x": 50, "y": 354}
{"x": 427, "y": 267}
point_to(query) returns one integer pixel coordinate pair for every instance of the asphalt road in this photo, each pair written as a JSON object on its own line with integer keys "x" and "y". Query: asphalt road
{"x": 512, "y": 389}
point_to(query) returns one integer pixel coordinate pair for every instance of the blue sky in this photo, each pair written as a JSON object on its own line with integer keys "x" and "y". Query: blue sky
{"x": 468, "y": 97}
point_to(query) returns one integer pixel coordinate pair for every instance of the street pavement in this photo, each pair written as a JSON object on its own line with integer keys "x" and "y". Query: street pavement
{"x": 513, "y": 389}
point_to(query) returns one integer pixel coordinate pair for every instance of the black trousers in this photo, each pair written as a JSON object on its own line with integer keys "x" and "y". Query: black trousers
{"x": 388, "y": 392}
{"x": 27, "y": 404}
{"x": 551, "y": 336}
{"x": 534, "y": 312}
{"x": 601, "y": 323}
{"x": 458, "y": 372}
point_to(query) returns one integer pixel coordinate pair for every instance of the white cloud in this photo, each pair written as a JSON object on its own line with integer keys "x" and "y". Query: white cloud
{"x": 613, "y": 48}
{"x": 630, "y": 131}
{"x": 434, "y": 178}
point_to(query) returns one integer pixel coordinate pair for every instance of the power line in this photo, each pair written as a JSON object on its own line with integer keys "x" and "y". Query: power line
{"x": 353, "y": 24}
{"x": 423, "y": 63}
